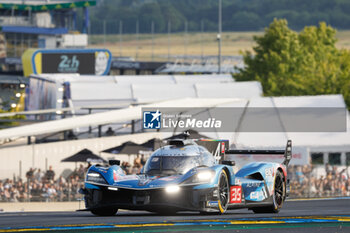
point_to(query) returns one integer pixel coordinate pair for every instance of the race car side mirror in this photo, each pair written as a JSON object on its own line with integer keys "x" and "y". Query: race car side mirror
{"x": 227, "y": 162}
{"x": 114, "y": 162}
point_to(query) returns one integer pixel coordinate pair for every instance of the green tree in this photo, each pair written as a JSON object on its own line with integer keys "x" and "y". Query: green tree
{"x": 245, "y": 21}
{"x": 290, "y": 63}
{"x": 237, "y": 15}
{"x": 152, "y": 12}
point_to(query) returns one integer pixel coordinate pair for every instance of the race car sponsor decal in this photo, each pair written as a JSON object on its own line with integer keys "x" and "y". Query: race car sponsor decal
{"x": 212, "y": 203}
{"x": 124, "y": 177}
{"x": 143, "y": 180}
{"x": 253, "y": 184}
{"x": 236, "y": 194}
{"x": 269, "y": 172}
{"x": 254, "y": 195}
{"x": 258, "y": 195}
{"x": 237, "y": 181}
{"x": 115, "y": 176}
{"x": 168, "y": 178}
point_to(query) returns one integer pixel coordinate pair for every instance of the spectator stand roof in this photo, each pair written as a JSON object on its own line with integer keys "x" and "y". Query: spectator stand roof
{"x": 11, "y": 79}
{"x": 173, "y": 79}
{"x": 44, "y": 5}
{"x": 34, "y": 30}
{"x": 109, "y": 90}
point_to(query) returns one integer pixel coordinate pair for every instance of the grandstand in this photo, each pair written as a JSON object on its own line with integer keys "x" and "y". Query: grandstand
{"x": 202, "y": 65}
{"x": 40, "y": 24}
{"x": 35, "y": 24}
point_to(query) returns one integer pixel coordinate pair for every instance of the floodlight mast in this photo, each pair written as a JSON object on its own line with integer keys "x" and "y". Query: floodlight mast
{"x": 219, "y": 36}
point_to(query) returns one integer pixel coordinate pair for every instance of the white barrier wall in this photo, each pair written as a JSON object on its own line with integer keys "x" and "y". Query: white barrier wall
{"x": 42, "y": 155}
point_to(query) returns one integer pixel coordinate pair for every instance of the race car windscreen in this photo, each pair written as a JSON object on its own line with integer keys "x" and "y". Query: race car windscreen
{"x": 170, "y": 165}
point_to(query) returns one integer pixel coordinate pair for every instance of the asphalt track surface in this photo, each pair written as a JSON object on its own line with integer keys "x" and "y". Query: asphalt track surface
{"x": 324, "y": 215}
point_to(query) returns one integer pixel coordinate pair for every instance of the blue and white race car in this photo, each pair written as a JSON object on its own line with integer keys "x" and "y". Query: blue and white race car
{"x": 184, "y": 175}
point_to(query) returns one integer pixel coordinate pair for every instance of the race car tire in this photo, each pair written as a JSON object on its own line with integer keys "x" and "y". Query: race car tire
{"x": 104, "y": 211}
{"x": 224, "y": 190}
{"x": 278, "y": 196}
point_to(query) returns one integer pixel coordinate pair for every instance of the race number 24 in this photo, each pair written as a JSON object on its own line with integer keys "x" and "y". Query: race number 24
{"x": 236, "y": 194}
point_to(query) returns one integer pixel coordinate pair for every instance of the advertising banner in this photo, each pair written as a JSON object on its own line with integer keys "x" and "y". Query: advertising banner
{"x": 52, "y": 61}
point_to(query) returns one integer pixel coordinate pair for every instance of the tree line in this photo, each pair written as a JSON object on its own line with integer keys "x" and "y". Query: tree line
{"x": 238, "y": 15}
{"x": 291, "y": 63}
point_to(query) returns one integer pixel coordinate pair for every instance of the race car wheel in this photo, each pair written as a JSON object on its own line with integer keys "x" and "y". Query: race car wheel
{"x": 104, "y": 211}
{"x": 278, "y": 196}
{"x": 223, "y": 192}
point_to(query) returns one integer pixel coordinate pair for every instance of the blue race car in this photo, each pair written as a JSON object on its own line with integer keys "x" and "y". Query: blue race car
{"x": 184, "y": 175}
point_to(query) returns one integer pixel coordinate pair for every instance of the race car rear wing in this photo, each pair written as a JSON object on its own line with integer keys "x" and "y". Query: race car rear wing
{"x": 287, "y": 152}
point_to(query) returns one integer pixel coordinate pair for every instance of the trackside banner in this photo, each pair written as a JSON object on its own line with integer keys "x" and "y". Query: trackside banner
{"x": 245, "y": 119}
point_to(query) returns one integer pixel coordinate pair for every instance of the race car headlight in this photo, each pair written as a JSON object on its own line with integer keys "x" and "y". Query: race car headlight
{"x": 201, "y": 176}
{"x": 172, "y": 189}
{"x": 205, "y": 176}
{"x": 95, "y": 177}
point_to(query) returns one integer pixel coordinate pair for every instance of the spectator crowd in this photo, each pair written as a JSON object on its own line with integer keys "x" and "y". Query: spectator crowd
{"x": 43, "y": 186}
{"x": 305, "y": 182}
{"x": 47, "y": 186}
